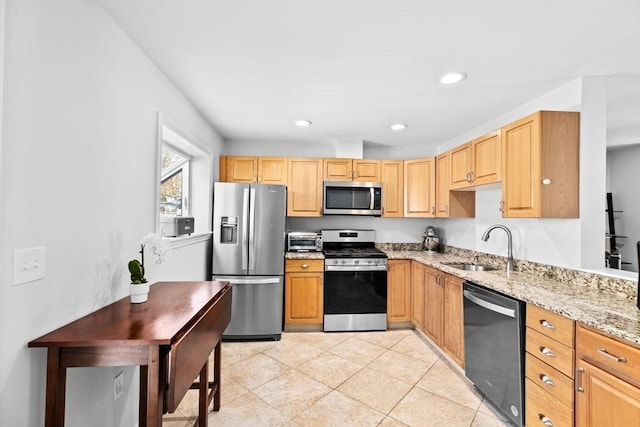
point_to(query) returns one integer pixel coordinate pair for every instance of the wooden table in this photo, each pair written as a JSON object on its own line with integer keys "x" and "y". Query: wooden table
{"x": 170, "y": 337}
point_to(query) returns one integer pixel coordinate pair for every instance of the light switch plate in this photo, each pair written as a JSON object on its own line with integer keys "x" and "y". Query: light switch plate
{"x": 29, "y": 264}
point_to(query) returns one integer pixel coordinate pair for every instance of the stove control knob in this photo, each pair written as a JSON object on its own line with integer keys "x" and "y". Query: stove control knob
{"x": 356, "y": 262}
{"x": 344, "y": 261}
{"x": 335, "y": 261}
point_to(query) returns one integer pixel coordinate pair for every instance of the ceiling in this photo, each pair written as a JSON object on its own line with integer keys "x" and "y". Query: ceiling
{"x": 355, "y": 67}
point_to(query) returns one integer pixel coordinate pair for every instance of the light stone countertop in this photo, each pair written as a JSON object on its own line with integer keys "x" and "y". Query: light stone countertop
{"x": 304, "y": 255}
{"x": 607, "y": 311}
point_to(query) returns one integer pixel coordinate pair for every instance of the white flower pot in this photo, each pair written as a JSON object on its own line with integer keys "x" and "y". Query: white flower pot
{"x": 139, "y": 292}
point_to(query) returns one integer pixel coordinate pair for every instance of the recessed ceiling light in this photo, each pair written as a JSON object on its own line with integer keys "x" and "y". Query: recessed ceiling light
{"x": 303, "y": 123}
{"x": 452, "y": 77}
{"x": 398, "y": 126}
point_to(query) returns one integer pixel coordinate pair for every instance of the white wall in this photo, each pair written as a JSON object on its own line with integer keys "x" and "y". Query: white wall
{"x": 624, "y": 175}
{"x": 78, "y": 169}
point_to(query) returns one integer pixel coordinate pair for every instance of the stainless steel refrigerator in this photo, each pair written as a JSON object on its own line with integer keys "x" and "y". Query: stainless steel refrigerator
{"x": 248, "y": 251}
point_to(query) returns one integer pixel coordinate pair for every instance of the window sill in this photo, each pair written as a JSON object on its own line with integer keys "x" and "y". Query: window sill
{"x": 187, "y": 240}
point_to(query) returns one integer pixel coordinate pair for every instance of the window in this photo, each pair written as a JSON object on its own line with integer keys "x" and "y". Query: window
{"x": 185, "y": 171}
{"x": 174, "y": 182}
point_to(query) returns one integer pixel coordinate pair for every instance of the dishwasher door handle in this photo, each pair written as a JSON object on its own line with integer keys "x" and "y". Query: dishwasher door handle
{"x": 489, "y": 305}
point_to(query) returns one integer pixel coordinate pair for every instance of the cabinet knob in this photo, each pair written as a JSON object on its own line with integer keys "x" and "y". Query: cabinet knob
{"x": 547, "y": 352}
{"x": 605, "y": 353}
{"x": 545, "y": 323}
{"x": 546, "y": 181}
{"x": 545, "y": 420}
{"x": 579, "y": 373}
{"x": 548, "y": 381}
{"x": 305, "y": 266}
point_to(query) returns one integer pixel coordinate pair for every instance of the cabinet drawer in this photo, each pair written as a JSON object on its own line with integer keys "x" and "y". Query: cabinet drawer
{"x": 303, "y": 265}
{"x": 550, "y": 324}
{"x": 614, "y": 356}
{"x": 544, "y": 410}
{"x": 550, "y": 352}
{"x": 550, "y": 380}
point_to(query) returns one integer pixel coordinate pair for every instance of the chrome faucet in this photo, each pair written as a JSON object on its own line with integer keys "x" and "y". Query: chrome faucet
{"x": 485, "y": 237}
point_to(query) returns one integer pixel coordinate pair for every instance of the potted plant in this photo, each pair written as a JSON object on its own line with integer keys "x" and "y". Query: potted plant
{"x": 139, "y": 288}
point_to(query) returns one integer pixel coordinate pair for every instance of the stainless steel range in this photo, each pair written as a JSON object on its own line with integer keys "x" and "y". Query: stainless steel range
{"x": 355, "y": 281}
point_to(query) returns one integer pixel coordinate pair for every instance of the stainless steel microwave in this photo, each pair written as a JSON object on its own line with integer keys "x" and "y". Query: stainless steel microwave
{"x": 352, "y": 198}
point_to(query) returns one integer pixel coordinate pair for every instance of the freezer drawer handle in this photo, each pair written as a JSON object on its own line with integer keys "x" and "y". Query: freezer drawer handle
{"x": 249, "y": 281}
{"x": 489, "y": 306}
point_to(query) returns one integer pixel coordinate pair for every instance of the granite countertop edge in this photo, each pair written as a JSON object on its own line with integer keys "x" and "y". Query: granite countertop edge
{"x": 606, "y": 311}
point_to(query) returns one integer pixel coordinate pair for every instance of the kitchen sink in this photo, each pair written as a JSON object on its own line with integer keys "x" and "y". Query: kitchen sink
{"x": 468, "y": 266}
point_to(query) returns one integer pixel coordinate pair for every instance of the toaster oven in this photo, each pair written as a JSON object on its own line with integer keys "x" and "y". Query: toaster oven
{"x": 304, "y": 241}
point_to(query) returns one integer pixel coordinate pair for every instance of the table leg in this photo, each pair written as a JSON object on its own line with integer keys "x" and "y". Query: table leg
{"x": 151, "y": 394}
{"x": 56, "y": 388}
{"x": 216, "y": 375}
{"x": 203, "y": 396}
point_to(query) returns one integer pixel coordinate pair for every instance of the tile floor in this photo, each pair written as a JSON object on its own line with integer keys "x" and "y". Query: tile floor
{"x": 391, "y": 378}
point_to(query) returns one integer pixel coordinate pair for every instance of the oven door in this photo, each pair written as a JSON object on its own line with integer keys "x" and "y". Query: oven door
{"x": 355, "y": 300}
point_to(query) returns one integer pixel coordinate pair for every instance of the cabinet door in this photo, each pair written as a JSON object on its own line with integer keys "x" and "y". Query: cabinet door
{"x": 337, "y": 169}
{"x": 420, "y": 188}
{"x": 303, "y": 298}
{"x": 433, "y": 303}
{"x": 242, "y": 169}
{"x": 366, "y": 170}
{"x": 460, "y": 167}
{"x": 417, "y": 294}
{"x": 486, "y": 157}
{"x": 521, "y": 168}
{"x": 392, "y": 174}
{"x": 272, "y": 170}
{"x": 453, "y": 335}
{"x": 399, "y": 291}
{"x": 443, "y": 165}
{"x": 304, "y": 193}
{"x": 605, "y": 400}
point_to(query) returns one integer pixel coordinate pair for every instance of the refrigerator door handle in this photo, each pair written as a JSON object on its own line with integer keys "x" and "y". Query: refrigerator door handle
{"x": 238, "y": 281}
{"x": 245, "y": 211}
{"x": 252, "y": 231}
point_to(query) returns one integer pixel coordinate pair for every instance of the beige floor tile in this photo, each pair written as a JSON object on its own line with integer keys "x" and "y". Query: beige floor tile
{"x": 484, "y": 420}
{"x": 233, "y": 352}
{"x": 375, "y": 389}
{"x": 358, "y": 351}
{"x": 325, "y": 340}
{"x": 175, "y": 420}
{"x": 421, "y": 408}
{"x": 230, "y": 390}
{"x": 293, "y": 352}
{"x": 329, "y": 369}
{"x": 390, "y": 422}
{"x": 336, "y": 409}
{"x": 256, "y": 370}
{"x": 292, "y": 392}
{"x": 412, "y": 345}
{"x": 400, "y": 366}
{"x": 386, "y": 339}
{"x": 443, "y": 381}
{"x": 250, "y": 411}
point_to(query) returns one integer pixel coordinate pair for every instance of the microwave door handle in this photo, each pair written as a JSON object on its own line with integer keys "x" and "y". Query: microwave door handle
{"x": 371, "y": 198}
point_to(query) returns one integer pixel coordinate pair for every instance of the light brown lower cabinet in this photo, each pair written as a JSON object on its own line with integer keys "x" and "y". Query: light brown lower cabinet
{"x": 303, "y": 292}
{"x": 453, "y": 319}
{"x": 399, "y": 291}
{"x": 417, "y": 294}
{"x": 607, "y": 381}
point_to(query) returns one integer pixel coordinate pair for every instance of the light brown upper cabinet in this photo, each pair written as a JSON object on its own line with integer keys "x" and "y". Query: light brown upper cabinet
{"x": 249, "y": 169}
{"x": 351, "y": 170}
{"x": 450, "y": 204}
{"x": 477, "y": 162}
{"x": 540, "y": 169}
{"x": 420, "y": 188}
{"x": 392, "y": 174}
{"x": 304, "y": 192}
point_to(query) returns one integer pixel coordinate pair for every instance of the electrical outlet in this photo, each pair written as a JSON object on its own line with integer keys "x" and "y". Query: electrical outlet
{"x": 118, "y": 385}
{"x": 29, "y": 265}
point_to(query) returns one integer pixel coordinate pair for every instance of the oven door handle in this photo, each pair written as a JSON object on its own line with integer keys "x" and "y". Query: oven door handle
{"x": 489, "y": 305}
{"x": 355, "y": 268}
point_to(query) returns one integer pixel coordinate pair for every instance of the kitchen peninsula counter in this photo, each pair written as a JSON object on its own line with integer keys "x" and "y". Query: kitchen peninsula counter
{"x": 607, "y": 309}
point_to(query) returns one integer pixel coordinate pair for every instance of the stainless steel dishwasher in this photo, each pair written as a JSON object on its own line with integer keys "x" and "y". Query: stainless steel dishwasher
{"x": 494, "y": 348}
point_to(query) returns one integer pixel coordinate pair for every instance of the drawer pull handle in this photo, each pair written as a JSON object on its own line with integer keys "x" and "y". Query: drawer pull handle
{"x": 545, "y": 420}
{"x": 305, "y": 266}
{"x": 548, "y": 381}
{"x": 579, "y": 373}
{"x": 604, "y": 352}
{"x": 547, "y": 352}
{"x": 547, "y": 324}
